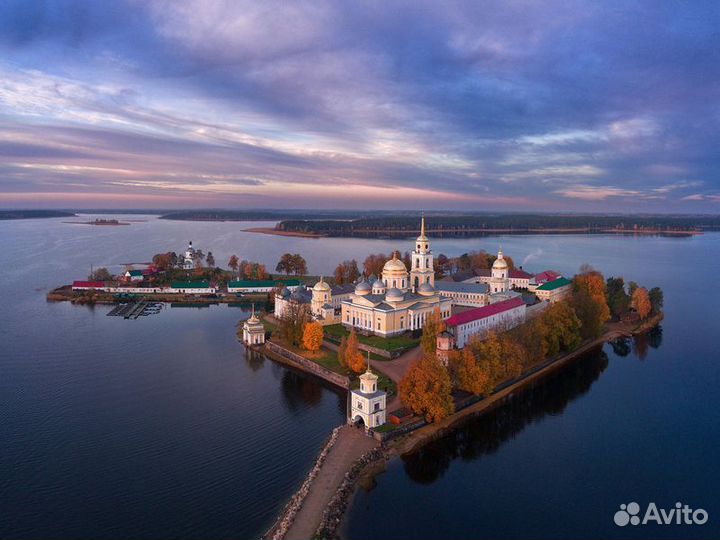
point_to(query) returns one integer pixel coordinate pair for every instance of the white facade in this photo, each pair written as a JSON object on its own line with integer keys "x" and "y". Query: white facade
{"x": 368, "y": 403}
{"x": 422, "y": 270}
{"x": 189, "y": 257}
{"x": 500, "y": 275}
{"x": 501, "y": 316}
{"x": 253, "y": 330}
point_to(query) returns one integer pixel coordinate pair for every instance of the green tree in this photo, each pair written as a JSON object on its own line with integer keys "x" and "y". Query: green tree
{"x": 210, "y": 259}
{"x": 618, "y": 299}
{"x": 656, "y": 299}
{"x": 100, "y": 274}
{"x": 233, "y": 263}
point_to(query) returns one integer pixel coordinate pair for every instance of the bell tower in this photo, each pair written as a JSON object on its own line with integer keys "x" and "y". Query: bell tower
{"x": 422, "y": 261}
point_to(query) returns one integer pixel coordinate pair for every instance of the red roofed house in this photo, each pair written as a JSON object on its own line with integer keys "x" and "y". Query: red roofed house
{"x": 479, "y": 321}
{"x": 542, "y": 278}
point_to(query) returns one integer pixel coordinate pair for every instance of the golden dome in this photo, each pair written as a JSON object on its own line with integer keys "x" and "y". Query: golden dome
{"x": 394, "y": 265}
{"x": 321, "y": 286}
{"x": 500, "y": 263}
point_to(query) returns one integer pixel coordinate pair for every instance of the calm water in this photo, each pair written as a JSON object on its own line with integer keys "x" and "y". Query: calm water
{"x": 161, "y": 427}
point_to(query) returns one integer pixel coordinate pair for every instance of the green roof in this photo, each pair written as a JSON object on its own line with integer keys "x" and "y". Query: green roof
{"x": 136, "y": 272}
{"x": 248, "y": 283}
{"x": 554, "y": 284}
{"x": 190, "y": 285}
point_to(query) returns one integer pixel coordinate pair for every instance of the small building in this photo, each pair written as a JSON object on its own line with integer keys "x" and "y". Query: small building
{"x": 90, "y": 286}
{"x": 192, "y": 287}
{"x": 541, "y": 278}
{"x": 261, "y": 285}
{"x": 368, "y": 403}
{"x": 134, "y": 275}
{"x": 445, "y": 342}
{"x": 253, "y": 330}
{"x": 464, "y": 294}
{"x": 479, "y": 321}
{"x": 555, "y": 290}
{"x": 188, "y": 262}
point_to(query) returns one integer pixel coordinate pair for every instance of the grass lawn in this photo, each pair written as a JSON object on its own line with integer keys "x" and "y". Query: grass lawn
{"x": 386, "y": 427}
{"x": 405, "y": 341}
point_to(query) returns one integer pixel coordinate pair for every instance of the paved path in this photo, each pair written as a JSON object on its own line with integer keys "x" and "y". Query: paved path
{"x": 349, "y": 446}
{"x": 397, "y": 368}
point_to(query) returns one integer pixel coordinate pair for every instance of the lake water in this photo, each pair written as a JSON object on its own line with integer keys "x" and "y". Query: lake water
{"x": 162, "y": 427}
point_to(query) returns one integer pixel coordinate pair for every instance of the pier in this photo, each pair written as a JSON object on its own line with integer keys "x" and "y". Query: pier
{"x": 133, "y": 310}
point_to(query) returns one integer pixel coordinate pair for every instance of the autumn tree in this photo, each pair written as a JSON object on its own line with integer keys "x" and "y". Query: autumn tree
{"x": 342, "y": 348}
{"x": 467, "y": 373}
{"x": 589, "y": 301}
{"x": 374, "y": 263}
{"x": 293, "y": 321}
{"x": 100, "y": 274}
{"x": 434, "y": 325}
{"x": 346, "y": 272}
{"x": 162, "y": 261}
{"x": 426, "y": 389}
{"x": 260, "y": 271}
{"x": 641, "y": 302}
{"x": 312, "y": 336}
{"x": 299, "y": 265}
{"x": 618, "y": 299}
{"x": 656, "y": 299}
{"x": 562, "y": 328}
{"x": 285, "y": 264}
{"x": 233, "y": 263}
{"x": 352, "y": 357}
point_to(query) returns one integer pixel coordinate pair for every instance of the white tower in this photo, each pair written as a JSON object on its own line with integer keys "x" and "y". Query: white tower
{"x": 500, "y": 274}
{"x": 422, "y": 261}
{"x": 321, "y": 295}
{"x": 367, "y": 404}
{"x": 253, "y": 330}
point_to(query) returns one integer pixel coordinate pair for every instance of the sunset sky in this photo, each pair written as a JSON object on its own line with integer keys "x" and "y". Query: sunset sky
{"x": 525, "y": 106}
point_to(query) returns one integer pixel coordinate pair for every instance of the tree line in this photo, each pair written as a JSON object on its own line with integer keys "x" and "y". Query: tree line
{"x": 500, "y": 356}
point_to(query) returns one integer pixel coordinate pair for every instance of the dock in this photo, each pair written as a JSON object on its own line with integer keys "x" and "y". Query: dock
{"x": 133, "y": 310}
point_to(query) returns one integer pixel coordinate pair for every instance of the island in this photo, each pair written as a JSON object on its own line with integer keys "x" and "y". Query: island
{"x": 34, "y": 214}
{"x": 419, "y": 342}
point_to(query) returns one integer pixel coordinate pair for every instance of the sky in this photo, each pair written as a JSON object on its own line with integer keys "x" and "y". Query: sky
{"x": 481, "y": 105}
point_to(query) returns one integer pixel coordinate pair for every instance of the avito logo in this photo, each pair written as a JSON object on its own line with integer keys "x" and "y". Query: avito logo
{"x": 681, "y": 514}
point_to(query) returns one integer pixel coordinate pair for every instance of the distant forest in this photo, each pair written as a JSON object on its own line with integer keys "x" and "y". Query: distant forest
{"x": 477, "y": 225}
{"x": 33, "y": 214}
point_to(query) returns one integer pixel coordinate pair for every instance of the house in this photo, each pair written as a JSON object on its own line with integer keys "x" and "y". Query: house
{"x": 479, "y": 321}
{"x": 542, "y": 277}
{"x": 261, "y": 286}
{"x": 90, "y": 286}
{"x": 134, "y": 275}
{"x": 192, "y": 287}
{"x": 555, "y": 290}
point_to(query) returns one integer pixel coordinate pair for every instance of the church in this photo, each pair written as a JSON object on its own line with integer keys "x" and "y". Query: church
{"x": 399, "y": 300}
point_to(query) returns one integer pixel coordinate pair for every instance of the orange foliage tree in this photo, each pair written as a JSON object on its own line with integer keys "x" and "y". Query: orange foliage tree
{"x": 433, "y": 326}
{"x": 426, "y": 389}
{"x": 352, "y": 357}
{"x": 312, "y": 336}
{"x": 641, "y": 302}
{"x": 590, "y": 302}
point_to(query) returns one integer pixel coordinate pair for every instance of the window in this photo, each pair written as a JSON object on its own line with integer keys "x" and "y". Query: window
{"x": 377, "y": 406}
{"x": 359, "y": 405}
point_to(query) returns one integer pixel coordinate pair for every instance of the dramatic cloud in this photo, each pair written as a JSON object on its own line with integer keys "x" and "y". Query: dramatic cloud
{"x": 468, "y": 105}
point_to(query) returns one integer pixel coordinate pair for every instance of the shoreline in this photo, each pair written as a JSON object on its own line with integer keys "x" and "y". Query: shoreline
{"x": 278, "y": 232}
{"x": 333, "y": 521}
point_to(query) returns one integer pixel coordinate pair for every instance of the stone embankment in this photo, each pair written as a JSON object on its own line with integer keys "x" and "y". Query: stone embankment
{"x": 281, "y": 526}
{"x": 285, "y": 356}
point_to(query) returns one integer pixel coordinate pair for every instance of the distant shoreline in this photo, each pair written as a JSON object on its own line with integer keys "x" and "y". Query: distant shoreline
{"x": 278, "y": 232}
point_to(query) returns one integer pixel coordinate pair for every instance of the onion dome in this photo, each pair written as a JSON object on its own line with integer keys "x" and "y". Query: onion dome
{"x": 394, "y": 265}
{"x": 378, "y": 287}
{"x": 500, "y": 263}
{"x": 425, "y": 289}
{"x": 321, "y": 286}
{"x": 394, "y": 295}
{"x": 362, "y": 288}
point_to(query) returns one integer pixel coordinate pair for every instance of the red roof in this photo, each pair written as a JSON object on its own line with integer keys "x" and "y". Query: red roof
{"x": 519, "y": 273}
{"x": 483, "y": 312}
{"x": 547, "y": 275}
{"x": 95, "y": 284}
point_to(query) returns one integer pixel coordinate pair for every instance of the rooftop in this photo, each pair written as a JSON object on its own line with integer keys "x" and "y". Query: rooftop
{"x": 554, "y": 284}
{"x": 484, "y": 312}
{"x": 451, "y": 286}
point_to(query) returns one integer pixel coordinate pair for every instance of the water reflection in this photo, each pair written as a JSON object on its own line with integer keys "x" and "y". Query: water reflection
{"x": 254, "y": 359}
{"x": 638, "y": 344}
{"x": 486, "y": 434}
